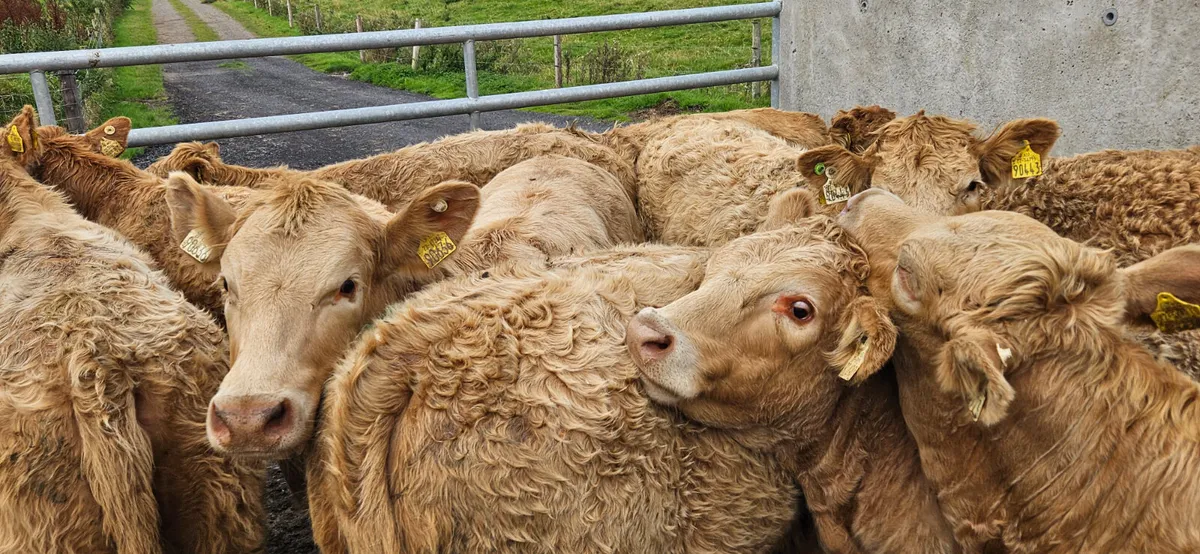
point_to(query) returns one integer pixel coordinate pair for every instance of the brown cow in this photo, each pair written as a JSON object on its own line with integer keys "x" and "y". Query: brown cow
{"x": 1138, "y": 203}
{"x": 1044, "y": 428}
{"x": 502, "y": 413}
{"x": 773, "y": 346}
{"x": 104, "y": 376}
{"x": 118, "y": 195}
{"x": 306, "y": 265}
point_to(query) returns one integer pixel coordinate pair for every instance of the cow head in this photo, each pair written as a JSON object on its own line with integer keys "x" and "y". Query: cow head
{"x": 777, "y": 328}
{"x": 305, "y": 266}
{"x": 934, "y": 163}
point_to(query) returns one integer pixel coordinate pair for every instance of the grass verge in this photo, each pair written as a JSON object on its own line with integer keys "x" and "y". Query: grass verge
{"x": 450, "y": 84}
{"x": 202, "y": 32}
{"x": 137, "y": 91}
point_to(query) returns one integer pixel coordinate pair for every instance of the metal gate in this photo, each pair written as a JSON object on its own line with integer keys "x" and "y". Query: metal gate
{"x": 37, "y": 63}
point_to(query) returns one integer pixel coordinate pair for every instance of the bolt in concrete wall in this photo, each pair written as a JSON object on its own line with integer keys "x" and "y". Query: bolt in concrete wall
{"x": 1113, "y": 73}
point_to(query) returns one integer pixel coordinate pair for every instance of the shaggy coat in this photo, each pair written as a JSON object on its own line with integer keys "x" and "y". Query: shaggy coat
{"x": 118, "y": 195}
{"x": 799, "y": 129}
{"x": 855, "y": 129}
{"x": 732, "y": 355}
{"x": 543, "y": 208}
{"x": 396, "y": 177}
{"x": 502, "y": 413}
{"x": 1044, "y": 428}
{"x": 1137, "y": 203}
{"x": 707, "y": 182}
{"x": 104, "y": 377}
{"x": 311, "y": 259}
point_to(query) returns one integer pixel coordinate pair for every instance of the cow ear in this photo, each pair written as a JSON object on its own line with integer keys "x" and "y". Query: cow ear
{"x": 201, "y": 222}
{"x": 855, "y": 129}
{"x": 418, "y": 239}
{"x": 1175, "y": 271}
{"x": 213, "y": 149}
{"x": 867, "y": 341}
{"x": 972, "y": 365}
{"x": 997, "y": 152}
{"x": 111, "y": 137}
{"x": 21, "y": 139}
{"x": 848, "y": 169}
{"x": 788, "y": 207}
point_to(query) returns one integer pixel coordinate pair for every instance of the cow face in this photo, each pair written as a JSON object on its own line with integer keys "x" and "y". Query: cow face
{"x": 975, "y": 293}
{"x": 935, "y": 164}
{"x": 762, "y": 342}
{"x": 304, "y": 268}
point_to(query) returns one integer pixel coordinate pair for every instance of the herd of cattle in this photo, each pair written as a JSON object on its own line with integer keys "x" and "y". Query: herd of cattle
{"x": 729, "y": 333}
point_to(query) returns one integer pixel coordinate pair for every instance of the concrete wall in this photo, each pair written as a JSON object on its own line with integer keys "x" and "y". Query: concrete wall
{"x": 1134, "y": 84}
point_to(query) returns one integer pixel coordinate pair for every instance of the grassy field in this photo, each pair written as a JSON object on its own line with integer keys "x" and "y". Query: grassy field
{"x": 137, "y": 91}
{"x": 527, "y": 64}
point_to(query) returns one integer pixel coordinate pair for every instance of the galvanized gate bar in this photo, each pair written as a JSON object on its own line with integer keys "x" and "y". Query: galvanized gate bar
{"x": 252, "y": 48}
{"x": 41, "y": 97}
{"x": 437, "y": 108}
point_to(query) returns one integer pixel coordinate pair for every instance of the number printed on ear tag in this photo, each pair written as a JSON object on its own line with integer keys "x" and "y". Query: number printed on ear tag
{"x": 194, "y": 245}
{"x": 434, "y": 248}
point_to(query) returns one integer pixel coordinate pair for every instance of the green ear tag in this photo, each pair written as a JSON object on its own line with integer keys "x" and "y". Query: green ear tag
{"x": 820, "y": 168}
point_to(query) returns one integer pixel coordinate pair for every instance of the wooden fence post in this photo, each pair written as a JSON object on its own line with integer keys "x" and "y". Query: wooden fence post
{"x": 558, "y": 74}
{"x": 362, "y": 54}
{"x": 271, "y": 7}
{"x": 756, "y": 55}
{"x": 72, "y": 102}
{"x": 317, "y": 13}
{"x": 289, "y": 7}
{"x": 256, "y": 4}
{"x": 417, "y": 48}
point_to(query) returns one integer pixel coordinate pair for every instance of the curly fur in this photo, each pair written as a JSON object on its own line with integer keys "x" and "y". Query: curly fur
{"x": 104, "y": 382}
{"x": 501, "y": 413}
{"x": 1136, "y": 203}
{"x": 546, "y": 207}
{"x": 705, "y": 182}
{"x": 395, "y": 177}
{"x": 1084, "y": 442}
{"x": 118, "y": 195}
{"x": 799, "y": 129}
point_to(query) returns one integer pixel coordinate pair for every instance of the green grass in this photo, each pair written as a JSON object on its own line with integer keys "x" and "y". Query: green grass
{"x": 137, "y": 91}
{"x": 202, "y": 32}
{"x": 662, "y": 52}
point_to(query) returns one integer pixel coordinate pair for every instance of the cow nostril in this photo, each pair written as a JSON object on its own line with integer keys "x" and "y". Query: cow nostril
{"x": 277, "y": 419}
{"x": 663, "y": 343}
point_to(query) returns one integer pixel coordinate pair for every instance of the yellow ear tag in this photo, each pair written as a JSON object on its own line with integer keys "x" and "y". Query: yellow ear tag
{"x": 109, "y": 129}
{"x": 1173, "y": 315}
{"x": 1026, "y": 163}
{"x": 110, "y": 148}
{"x": 856, "y": 361}
{"x": 833, "y": 193}
{"x": 194, "y": 245}
{"x": 434, "y": 248}
{"x": 14, "y": 140}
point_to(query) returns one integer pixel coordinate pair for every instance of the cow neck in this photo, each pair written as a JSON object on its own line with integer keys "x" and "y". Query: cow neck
{"x": 846, "y": 465}
{"x": 102, "y": 189}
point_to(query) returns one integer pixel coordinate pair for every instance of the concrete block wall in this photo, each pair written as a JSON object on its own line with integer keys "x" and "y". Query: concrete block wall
{"x": 1132, "y": 84}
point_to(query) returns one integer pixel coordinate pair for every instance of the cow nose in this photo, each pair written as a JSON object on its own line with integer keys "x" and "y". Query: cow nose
{"x": 253, "y": 423}
{"x": 648, "y": 339}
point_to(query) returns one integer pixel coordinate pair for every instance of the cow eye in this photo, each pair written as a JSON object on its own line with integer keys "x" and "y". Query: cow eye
{"x": 225, "y": 284}
{"x": 974, "y": 185}
{"x": 802, "y": 311}
{"x": 348, "y": 287}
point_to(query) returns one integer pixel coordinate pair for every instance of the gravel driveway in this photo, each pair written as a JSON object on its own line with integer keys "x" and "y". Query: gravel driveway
{"x": 255, "y": 87}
